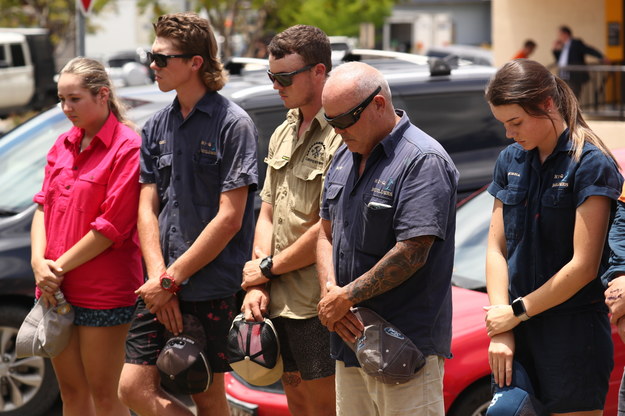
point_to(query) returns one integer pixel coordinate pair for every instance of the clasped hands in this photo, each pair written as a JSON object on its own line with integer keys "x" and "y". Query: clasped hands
{"x": 334, "y": 310}
{"x": 499, "y": 319}
{"x": 615, "y": 300}
{"x": 48, "y": 278}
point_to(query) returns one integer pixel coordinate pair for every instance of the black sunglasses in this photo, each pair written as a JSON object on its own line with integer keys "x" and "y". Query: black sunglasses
{"x": 286, "y": 78}
{"x": 161, "y": 60}
{"x": 349, "y": 118}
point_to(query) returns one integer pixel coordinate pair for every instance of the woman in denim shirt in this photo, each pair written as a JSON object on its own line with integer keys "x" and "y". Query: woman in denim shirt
{"x": 555, "y": 191}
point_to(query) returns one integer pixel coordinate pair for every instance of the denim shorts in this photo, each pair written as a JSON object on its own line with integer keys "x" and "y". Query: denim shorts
{"x": 147, "y": 335}
{"x": 569, "y": 358}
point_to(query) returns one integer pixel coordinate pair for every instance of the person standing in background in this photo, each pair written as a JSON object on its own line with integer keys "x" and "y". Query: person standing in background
{"x": 571, "y": 51}
{"x": 528, "y": 49}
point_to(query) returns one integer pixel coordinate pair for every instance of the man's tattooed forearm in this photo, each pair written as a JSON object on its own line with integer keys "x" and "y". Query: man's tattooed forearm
{"x": 401, "y": 262}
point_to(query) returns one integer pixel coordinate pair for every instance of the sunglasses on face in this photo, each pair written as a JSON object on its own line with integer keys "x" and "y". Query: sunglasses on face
{"x": 161, "y": 60}
{"x": 286, "y": 78}
{"x": 349, "y": 118}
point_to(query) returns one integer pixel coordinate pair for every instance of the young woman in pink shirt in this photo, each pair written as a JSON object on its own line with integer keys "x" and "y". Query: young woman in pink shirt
{"x": 84, "y": 237}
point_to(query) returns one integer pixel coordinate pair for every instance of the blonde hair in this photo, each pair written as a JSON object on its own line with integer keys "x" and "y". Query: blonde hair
{"x": 94, "y": 78}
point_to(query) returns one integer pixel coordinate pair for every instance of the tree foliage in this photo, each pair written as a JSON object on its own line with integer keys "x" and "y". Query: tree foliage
{"x": 255, "y": 19}
{"x": 58, "y": 16}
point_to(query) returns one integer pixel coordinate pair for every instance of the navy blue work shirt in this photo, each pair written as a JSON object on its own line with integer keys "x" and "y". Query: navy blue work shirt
{"x": 192, "y": 161}
{"x": 407, "y": 190}
{"x": 616, "y": 240}
{"x": 539, "y": 206}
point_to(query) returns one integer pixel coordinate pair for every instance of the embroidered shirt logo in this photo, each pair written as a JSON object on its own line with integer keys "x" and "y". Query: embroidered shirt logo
{"x": 560, "y": 181}
{"x": 315, "y": 154}
{"x": 383, "y": 187}
{"x": 514, "y": 174}
{"x": 208, "y": 148}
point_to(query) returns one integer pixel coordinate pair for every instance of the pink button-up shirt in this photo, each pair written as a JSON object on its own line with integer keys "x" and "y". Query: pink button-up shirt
{"x": 96, "y": 189}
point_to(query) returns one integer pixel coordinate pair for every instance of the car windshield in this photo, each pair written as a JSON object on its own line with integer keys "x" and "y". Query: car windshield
{"x": 472, "y": 221}
{"x": 23, "y": 154}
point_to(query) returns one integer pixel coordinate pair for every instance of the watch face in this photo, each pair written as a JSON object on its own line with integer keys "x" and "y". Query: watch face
{"x": 166, "y": 283}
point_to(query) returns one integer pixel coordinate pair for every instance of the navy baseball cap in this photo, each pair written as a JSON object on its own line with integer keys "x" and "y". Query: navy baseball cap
{"x": 517, "y": 399}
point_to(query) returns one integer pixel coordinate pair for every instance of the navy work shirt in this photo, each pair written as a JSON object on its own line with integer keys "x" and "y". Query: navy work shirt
{"x": 539, "y": 205}
{"x": 192, "y": 161}
{"x": 407, "y": 190}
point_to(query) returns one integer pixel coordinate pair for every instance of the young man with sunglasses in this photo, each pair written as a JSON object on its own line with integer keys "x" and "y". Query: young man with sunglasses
{"x": 281, "y": 280}
{"x": 386, "y": 242}
{"x": 196, "y": 215}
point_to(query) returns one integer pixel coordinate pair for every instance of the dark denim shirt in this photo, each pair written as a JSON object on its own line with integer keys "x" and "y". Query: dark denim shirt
{"x": 617, "y": 245}
{"x": 192, "y": 161}
{"x": 539, "y": 206}
{"x": 408, "y": 189}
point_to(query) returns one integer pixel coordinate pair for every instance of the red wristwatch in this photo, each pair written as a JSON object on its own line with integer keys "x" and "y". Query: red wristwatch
{"x": 169, "y": 284}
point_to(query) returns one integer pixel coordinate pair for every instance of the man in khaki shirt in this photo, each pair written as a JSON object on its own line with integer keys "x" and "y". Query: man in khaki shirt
{"x": 281, "y": 279}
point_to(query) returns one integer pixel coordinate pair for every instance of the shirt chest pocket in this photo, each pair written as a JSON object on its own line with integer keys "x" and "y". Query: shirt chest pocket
{"x": 558, "y": 213}
{"x": 378, "y": 234}
{"x": 305, "y": 191}
{"x": 514, "y": 211}
{"x": 90, "y": 191}
{"x": 163, "y": 173}
{"x": 332, "y": 196}
{"x": 206, "y": 178}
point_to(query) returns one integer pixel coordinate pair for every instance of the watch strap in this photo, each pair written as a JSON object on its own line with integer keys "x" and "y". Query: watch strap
{"x": 169, "y": 284}
{"x": 265, "y": 268}
{"x": 518, "y": 308}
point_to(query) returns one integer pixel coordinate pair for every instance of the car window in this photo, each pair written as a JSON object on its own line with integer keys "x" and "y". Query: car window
{"x": 23, "y": 154}
{"x": 472, "y": 222}
{"x": 460, "y": 121}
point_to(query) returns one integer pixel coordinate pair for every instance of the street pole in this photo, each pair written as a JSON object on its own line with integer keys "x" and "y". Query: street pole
{"x": 80, "y": 31}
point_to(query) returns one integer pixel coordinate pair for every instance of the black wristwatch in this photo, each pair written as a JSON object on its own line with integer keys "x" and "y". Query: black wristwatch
{"x": 265, "y": 268}
{"x": 518, "y": 308}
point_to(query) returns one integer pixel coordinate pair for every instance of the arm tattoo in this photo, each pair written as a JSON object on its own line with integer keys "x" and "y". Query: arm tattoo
{"x": 401, "y": 262}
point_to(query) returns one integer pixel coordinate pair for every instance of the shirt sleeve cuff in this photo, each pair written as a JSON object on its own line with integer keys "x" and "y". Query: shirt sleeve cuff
{"x": 39, "y": 198}
{"x": 108, "y": 230}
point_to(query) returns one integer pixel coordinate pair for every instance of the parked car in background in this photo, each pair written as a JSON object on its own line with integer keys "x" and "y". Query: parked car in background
{"x": 450, "y": 107}
{"x": 474, "y": 54}
{"x": 26, "y": 70}
{"x": 129, "y": 68}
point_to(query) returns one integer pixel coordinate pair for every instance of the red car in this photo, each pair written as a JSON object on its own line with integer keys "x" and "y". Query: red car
{"x": 467, "y": 375}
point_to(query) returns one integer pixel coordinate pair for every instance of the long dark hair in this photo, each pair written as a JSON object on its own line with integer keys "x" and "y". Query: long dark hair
{"x": 529, "y": 84}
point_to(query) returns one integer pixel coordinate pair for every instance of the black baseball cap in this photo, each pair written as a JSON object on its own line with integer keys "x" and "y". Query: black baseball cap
{"x": 182, "y": 363}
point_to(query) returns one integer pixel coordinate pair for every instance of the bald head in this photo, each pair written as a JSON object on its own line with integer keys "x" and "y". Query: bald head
{"x": 357, "y": 102}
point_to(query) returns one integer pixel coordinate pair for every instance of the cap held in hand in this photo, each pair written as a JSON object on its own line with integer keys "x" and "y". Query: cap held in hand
{"x": 384, "y": 352}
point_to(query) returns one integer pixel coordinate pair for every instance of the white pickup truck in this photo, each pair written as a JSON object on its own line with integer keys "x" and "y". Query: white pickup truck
{"x": 26, "y": 70}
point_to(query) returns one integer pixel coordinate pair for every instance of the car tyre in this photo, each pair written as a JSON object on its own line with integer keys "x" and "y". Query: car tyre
{"x": 28, "y": 386}
{"x": 474, "y": 401}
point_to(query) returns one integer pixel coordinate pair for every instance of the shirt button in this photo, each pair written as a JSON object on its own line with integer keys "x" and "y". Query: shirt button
{"x": 67, "y": 187}
{"x": 75, "y": 168}
{"x": 173, "y": 229}
{"x": 279, "y": 220}
{"x": 341, "y": 254}
{"x": 175, "y": 203}
{"x": 346, "y": 223}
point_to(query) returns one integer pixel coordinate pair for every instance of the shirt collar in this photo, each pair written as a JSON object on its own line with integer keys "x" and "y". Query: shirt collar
{"x": 206, "y": 104}
{"x": 389, "y": 143}
{"x": 294, "y": 116}
{"x": 105, "y": 135}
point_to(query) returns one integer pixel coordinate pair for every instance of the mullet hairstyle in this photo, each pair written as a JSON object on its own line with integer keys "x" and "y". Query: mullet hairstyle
{"x": 193, "y": 35}
{"x": 529, "y": 84}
